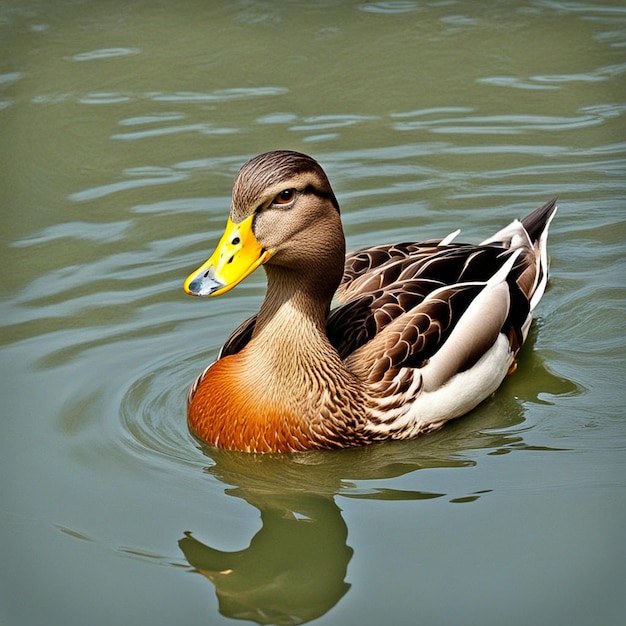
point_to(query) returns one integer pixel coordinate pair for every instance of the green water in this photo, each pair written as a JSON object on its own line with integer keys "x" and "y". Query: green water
{"x": 122, "y": 125}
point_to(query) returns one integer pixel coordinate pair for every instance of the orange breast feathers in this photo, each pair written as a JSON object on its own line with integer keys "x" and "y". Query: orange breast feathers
{"x": 231, "y": 409}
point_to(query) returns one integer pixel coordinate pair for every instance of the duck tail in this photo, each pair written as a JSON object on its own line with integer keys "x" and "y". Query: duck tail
{"x": 530, "y": 233}
{"x": 536, "y": 223}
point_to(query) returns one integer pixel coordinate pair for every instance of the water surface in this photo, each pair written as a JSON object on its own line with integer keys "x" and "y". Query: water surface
{"x": 122, "y": 127}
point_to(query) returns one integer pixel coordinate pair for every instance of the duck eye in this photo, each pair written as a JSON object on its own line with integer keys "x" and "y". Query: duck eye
{"x": 285, "y": 196}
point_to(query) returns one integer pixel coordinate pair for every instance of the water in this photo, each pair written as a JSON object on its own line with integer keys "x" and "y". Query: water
{"x": 122, "y": 127}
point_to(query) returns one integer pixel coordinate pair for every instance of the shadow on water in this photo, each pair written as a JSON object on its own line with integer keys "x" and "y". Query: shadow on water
{"x": 294, "y": 568}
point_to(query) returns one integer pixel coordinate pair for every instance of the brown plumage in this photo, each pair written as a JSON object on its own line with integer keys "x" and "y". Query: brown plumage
{"x": 423, "y": 333}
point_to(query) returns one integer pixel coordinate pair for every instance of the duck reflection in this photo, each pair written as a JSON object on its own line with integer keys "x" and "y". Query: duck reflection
{"x": 294, "y": 569}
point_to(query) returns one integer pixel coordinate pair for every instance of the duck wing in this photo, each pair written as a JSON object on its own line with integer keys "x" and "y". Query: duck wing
{"x": 447, "y": 333}
{"x": 446, "y": 305}
{"x": 396, "y": 288}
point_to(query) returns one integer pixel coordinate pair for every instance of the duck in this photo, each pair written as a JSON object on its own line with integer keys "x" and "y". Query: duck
{"x": 421, "y": 332}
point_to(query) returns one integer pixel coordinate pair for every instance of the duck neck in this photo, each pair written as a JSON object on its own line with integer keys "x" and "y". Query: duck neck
{"x": 292, "y": 319}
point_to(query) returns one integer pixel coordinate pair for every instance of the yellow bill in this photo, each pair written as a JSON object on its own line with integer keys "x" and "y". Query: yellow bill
{"x": 237, "y": 255}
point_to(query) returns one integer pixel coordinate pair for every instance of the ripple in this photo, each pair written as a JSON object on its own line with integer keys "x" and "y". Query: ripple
{"x": 553, "y": 81}
{"x": 325, "y": 122}
{"x": 105, "y": 53}
{"x": 607, "y": 110}
{"x": 98, "y": 232}
{"x": 431, "y": 111}
{"x": 391, "y": 7}
{"x": 151, "y": 118}
{"x": 513, "y": 81}
{"x": 582, "y": 7}
{"x": 219, "y": 95}
{"x": 203, "y": 128}
{"x": 52, "y": 98}
{"x": 181, "y": 205}
{"x": 106, "y": 97}
{"x": 139, "y": 177}
{"x": 615, "y": 38}
{"x": 152, "y": 417}
{"x": 177, "y": 97}
{"x": 500, "y": 124}
{"x": 459, "y": 20}
{"x": 10, "y": 77}
{"x": 277, "y": 118}
{"x": 320, "y": 138}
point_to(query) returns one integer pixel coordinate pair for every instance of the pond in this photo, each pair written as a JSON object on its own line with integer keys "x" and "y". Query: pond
{"x": 123, "y": 125}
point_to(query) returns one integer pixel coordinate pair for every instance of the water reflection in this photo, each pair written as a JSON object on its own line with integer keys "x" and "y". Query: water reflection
{"x": 294, "y": 568}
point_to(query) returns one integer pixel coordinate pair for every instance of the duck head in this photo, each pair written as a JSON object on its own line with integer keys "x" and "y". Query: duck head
{"x": 284, "y": 214}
